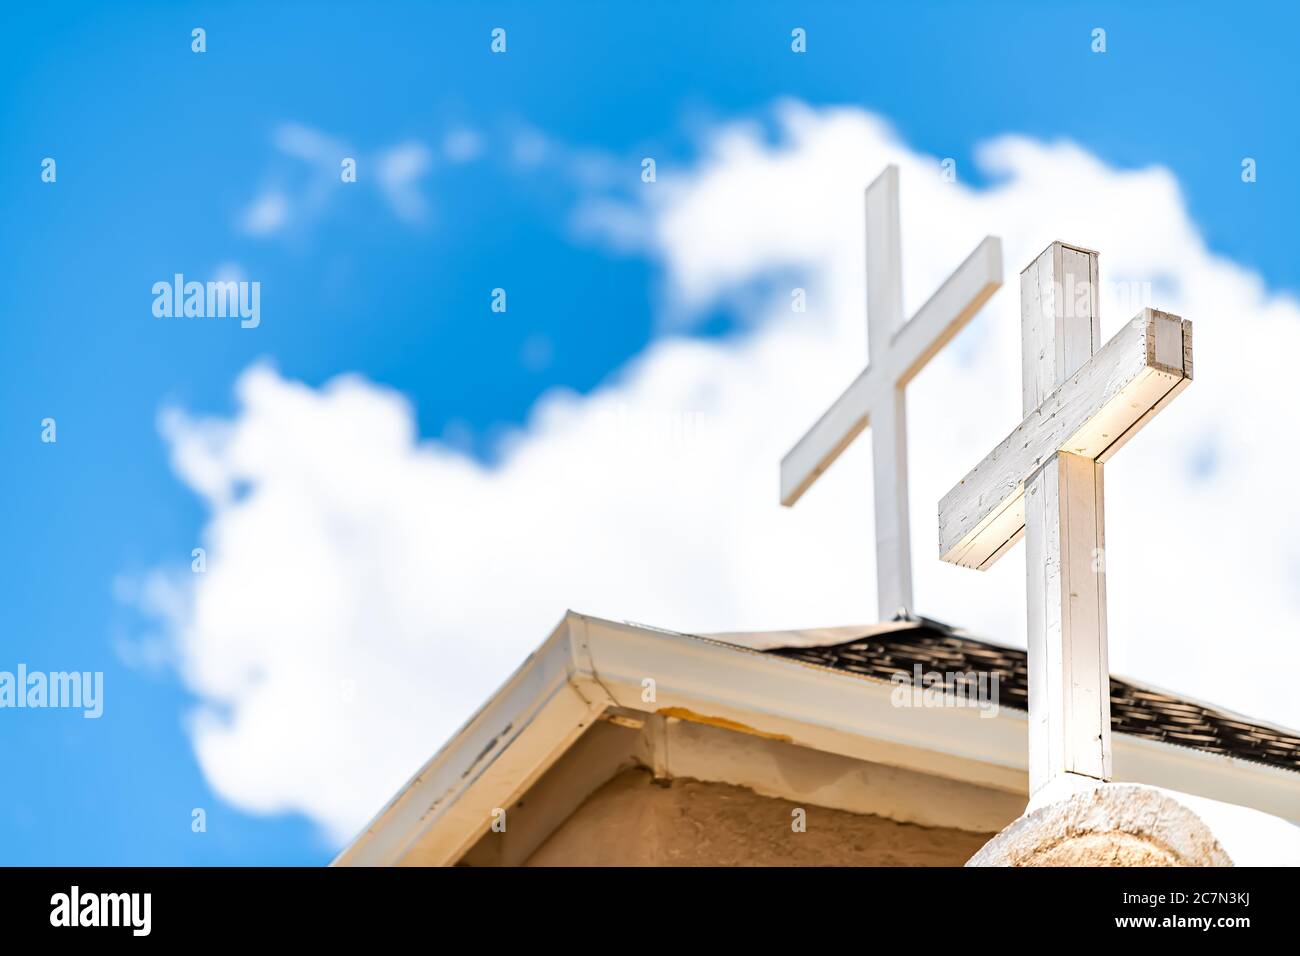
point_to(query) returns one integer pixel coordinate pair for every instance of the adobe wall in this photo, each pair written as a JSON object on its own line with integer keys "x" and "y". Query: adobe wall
{"x": 633, "y": 821}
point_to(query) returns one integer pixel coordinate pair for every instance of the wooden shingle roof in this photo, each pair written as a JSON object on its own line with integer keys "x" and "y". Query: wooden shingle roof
{"x": 1134, "y": 710}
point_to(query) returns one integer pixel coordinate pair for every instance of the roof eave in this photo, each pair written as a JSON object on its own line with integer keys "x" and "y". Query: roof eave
{"x": 589, "y": 664}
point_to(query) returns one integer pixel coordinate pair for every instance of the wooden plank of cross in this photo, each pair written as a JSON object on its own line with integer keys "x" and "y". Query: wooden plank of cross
{"x": 897, "y": 352}
{"x": 1044, "y": 483}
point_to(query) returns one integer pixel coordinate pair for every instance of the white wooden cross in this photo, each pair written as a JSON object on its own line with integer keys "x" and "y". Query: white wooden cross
{"x": 1044, "y": 482}
{"x": 897, "y": 352}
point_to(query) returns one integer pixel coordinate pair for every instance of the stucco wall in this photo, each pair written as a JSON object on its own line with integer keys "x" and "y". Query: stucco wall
{"x": 634, "y": 821}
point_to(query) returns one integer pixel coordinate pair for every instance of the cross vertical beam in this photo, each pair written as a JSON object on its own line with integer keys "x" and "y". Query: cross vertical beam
{"x": 893, "y": 537}
{"x": 884, "y": 263}
{"x": 1069, "y": 673}
{"x": 889, "y": 418}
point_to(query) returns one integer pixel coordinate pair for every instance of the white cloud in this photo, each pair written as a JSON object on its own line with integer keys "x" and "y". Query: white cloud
{"x": 309, "y": 145}
{"x": 395, "y": 171}
{"x": 266, "y": 215}
{"x": 398, "y": 170}
{"x": 530, "y": 147}
{"x": 342, "y": 550}
{"x": 462, "y": 145}
{"x": 230, "y": 272}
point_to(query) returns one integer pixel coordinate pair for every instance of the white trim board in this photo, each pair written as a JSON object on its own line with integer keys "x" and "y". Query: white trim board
{"x": 588, "y": 665}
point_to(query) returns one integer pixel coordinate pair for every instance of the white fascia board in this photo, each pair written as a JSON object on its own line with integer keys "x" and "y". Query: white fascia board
{"x": 589, "y": 664}
{"x": 503, "y": 748}
{"x": 808, "y": 705}
{"x": 1201, "y": 773}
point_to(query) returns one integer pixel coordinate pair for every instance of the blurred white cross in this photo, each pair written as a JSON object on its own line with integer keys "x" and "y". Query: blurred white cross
{"x": 897, "y": 352}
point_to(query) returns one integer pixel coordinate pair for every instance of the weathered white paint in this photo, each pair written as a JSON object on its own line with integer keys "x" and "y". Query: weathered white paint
{"x": 1045, "y": 482}
{"x": 589, "y": 665}
{"x": 770, "y": 768}
{"x": 1069, "y": 672}
{"x": 1092, "y": 414}
{"x": 775, "y": 768}
{"x": 876, "y": 397}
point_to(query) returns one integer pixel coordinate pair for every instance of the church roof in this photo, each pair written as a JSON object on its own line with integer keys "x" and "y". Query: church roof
{"x": 825, "y": 690}
{"x": 1135, "y": 709}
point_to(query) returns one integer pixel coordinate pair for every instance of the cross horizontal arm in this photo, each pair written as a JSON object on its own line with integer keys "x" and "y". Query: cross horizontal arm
{"x": 1091, "y": 415}
{"x": 934, "y": 325}
{"x": 834, "y": 431}
{"x": 947, "y": 311}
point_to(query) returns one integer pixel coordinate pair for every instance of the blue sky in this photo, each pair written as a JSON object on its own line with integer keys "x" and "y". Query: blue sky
{"x": 161, "y": 151}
